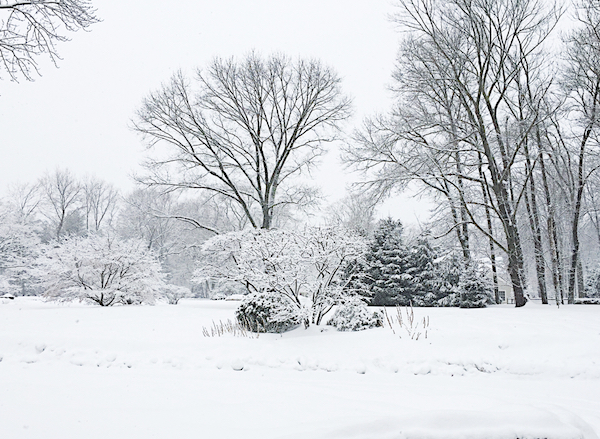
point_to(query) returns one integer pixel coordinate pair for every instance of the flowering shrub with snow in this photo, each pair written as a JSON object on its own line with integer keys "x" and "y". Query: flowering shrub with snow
{"x": 101, "y": 270}
{"x": 268, "y": 312}
{"x": 355, "y": 317}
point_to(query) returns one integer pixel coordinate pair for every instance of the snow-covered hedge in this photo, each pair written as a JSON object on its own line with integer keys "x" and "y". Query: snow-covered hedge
{"x": 587, "y": 301}
{"x": 268, "y": 312}
{"x": 355, "y": 317}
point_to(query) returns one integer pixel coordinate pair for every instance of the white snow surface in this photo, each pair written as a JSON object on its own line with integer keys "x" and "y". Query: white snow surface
{"x": 80, "y": 371}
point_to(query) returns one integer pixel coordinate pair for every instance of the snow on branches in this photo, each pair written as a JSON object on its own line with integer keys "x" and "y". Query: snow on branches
{"x": 288, "y": 264}
{"x": 102, "y": 270}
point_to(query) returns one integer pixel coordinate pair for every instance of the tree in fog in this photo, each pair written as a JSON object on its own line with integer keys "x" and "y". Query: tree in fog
{"x": 29, "y": 28}
{"x": 19, "y": 247}
{"x": 61, "y": 203}
{"x": 243, "y": 130}
{"x": 100, "y": 201}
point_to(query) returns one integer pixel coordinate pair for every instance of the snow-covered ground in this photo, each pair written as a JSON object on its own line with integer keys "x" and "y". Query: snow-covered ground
{"x": 78, "y": 371}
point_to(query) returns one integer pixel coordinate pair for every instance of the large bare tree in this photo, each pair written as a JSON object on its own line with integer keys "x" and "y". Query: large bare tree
{"x": 29, "y": 28}
{"x": 242, "y": 130}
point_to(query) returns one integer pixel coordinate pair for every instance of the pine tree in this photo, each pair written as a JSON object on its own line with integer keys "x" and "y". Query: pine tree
{"x": 475, "y": 289}
{"x": 382, "y": 277}
{"x": 424, "y": 278}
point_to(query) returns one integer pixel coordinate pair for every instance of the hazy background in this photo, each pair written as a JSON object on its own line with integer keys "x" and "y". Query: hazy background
{"x": 77, "y": 116}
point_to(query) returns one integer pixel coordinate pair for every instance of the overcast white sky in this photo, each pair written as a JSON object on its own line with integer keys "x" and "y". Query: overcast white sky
{"x": 77, "y": 116}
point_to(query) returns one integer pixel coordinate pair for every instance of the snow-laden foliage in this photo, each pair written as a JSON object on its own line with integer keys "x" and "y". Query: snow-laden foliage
{"x": 101, "y": 270}
{"x": 286, "y": 264}
{"x": 395, "y": 273}
{"x": 327, "y": 250}
{"x": 592, "y": 284}
{"x": 355, "y": 317}
{"x": 475, "y": 290}
{"x": 19, "y": 246}
{"x": 268, "y": 311}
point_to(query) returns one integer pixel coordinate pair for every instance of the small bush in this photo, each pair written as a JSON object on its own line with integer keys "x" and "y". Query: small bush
{"x": 268, "y": 312}
{"x": 355, "y": 317}
{"x": 174, "y": 293}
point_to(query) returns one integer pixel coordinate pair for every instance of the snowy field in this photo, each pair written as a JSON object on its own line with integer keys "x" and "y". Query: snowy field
{"x": 78, "y": 371}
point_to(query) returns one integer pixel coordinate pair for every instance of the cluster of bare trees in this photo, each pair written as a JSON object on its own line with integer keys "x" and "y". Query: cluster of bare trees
{"x": 489, "y": 124}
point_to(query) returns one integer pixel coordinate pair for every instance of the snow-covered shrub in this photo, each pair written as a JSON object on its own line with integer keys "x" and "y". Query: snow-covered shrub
{"x": 174, "y": 293}
{"x": 326, "y": 251}
{"x": 286, "y": 264}
{"x": 268, "y": 312}
{"x": 101, "y": 270}
{"x": 19, "y": 246}
{"x": 355, "y": 317}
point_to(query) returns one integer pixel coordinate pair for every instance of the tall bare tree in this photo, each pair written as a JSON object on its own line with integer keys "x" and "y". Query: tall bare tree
{"x": 243, "y": 130}
{"x": 29, "y": 28}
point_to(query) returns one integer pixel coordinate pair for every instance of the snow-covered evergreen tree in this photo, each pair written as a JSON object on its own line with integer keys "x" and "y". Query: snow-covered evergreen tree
{"x": 475, "y": 289}
{"x": 386, "y": 280}
{"x": 420, "y": 265}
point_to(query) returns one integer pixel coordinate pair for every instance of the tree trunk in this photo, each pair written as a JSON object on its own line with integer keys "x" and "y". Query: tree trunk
{"x": 534, "y": 222}
{"x": 576, "y": 215}
{"x": 552, "y": 234}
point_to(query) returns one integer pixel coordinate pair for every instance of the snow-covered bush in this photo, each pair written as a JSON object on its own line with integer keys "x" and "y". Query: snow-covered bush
{"x": 286, "y": 264}
{"x": 101, "y": 270}
{"x": 174, "y": 293}
{"x": 355, "y": 317}
{"x": 587, "y": 301}
{"x": 326, "y": 251}
{"x": 268, "y": 312}
{"x": 19, "y": 246}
